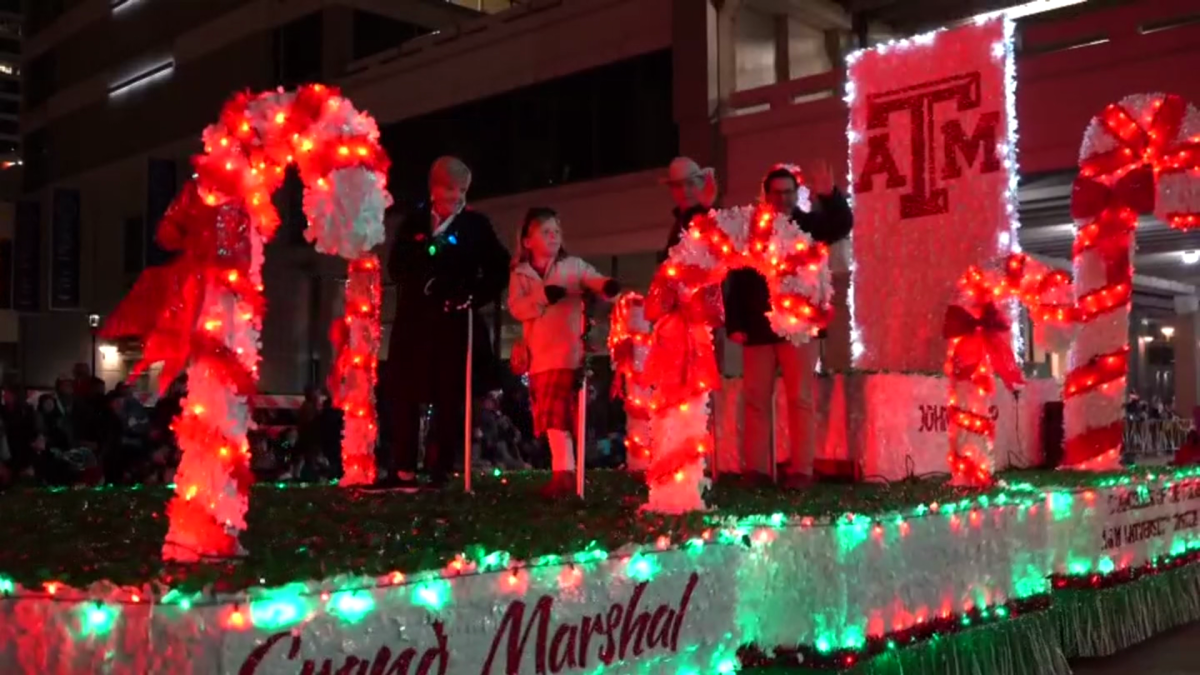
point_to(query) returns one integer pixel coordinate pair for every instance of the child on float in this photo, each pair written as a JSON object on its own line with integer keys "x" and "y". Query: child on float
{"x": 546, "y": 291}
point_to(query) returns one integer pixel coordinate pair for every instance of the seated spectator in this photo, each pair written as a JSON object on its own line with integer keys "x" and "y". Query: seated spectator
{"x": 263, "y": 462}
{"x": 330, "y": 423}
{"x": 20, "y": 426}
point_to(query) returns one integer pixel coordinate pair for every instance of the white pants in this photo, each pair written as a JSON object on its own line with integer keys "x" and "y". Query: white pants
{"x": 760, "y": 365}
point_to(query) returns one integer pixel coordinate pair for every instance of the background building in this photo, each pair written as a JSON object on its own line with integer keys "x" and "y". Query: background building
{"x": 576, "y": 104}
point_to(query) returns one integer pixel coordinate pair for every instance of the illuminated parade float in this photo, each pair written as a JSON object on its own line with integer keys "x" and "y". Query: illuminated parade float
{"x": 988, "y": 572}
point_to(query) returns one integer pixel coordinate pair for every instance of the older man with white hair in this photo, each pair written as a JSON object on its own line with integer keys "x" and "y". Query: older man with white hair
{"x": 447, "y": 262}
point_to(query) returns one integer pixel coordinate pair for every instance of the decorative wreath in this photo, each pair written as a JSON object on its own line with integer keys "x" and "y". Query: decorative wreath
{"x": 203, "y": 312}
{"x": 684, "y": 305}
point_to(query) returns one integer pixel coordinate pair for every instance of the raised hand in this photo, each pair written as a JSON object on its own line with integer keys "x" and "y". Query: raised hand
{"x": 820, "y": 179}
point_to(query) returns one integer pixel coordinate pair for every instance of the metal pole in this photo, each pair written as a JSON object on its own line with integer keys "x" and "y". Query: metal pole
{"x": 93, "y": 352}
{"x": 467, "y": 422}
{"x": 581, "y": 436}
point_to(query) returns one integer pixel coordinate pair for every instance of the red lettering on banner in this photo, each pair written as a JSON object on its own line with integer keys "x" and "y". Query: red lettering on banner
{"x": 983, "y": 140}
{"x": 622, "y": 631}
{"x": 879, "y": 160}
{"x": 625, "y": 629}
{"x": 918, "y": 101}
{"x": 382, "y": 664}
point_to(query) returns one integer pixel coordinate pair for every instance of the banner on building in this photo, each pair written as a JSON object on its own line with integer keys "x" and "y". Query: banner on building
{"x": 934, "y": 178}
{"x": 27, "y": 257}
{"x": 161, "y": 185}
{"x": 65, "y": 249}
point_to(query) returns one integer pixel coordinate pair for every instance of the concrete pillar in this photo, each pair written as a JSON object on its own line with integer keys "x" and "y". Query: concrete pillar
{"x": 727, "y": 12}
{"x": 783, "y": 60}
{"x": 1185, "y": 343}
{"x": 692, "y": 59}
{"x": 337, "y": 38}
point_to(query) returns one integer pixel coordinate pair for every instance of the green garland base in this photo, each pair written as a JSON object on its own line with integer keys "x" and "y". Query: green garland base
{"x": 1102, "y": 622}
{"x": 1021, "y": 646}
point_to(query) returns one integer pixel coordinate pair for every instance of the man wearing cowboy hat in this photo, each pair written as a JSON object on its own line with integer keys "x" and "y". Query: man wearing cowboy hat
{"x": 693, "y": 190}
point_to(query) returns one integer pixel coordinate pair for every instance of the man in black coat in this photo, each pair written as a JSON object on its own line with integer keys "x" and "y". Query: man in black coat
{"x": 747, "y": 302}
{"x": 447, "y": 263}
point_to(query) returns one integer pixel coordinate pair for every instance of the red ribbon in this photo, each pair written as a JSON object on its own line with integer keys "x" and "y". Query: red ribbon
{"x": 682, "y": 362}
{"x": 980, "y": 337}
{"x": 1135, "y": 190}
{"x": 163, "y": 308}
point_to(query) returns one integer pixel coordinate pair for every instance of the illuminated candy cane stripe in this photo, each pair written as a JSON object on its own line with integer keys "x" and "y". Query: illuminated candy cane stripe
{"x": 1138, "y": 156}
{"x": 204, "y": 311}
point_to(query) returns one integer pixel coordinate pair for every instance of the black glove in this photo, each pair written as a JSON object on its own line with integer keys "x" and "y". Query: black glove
{"x": 555, "y": 293}
{"x": 612, "y": 287}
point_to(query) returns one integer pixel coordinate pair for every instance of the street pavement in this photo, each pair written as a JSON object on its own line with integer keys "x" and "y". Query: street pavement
{"x": 1173, "y": 653}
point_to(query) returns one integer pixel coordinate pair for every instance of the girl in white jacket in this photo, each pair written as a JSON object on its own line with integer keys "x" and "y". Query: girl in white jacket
{"x": 545, "y": 293}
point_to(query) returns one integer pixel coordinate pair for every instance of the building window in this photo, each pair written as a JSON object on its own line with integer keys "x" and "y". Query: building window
{"x": 9, "y": 127}
{"x": 10, "y": 87}
{"x": 9, "y": 107}
{"x": 297, "y": 50}
{"x": 9, "y": 69}
{"x": 39, "y": 77}
{"x": 40, "y": 14}
{"x": 374, "y": 33}
{"x": 10, "y": 46}
{"x": 606, "y": 121}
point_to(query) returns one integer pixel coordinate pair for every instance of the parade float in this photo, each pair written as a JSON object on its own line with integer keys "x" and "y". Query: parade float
{"x": 977, "y": 570}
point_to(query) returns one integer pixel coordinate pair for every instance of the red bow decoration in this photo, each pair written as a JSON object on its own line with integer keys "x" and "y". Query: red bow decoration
{"x": 1135, "y": 190}
{"x": 980, "y": 337}
{"x": 163, "y": 308}
{"x": 682, "y": 362}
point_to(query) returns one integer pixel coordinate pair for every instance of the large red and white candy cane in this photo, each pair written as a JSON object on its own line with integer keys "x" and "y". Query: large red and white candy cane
{"x": 1138, "y": 156}
{"x": 980, "y": 350}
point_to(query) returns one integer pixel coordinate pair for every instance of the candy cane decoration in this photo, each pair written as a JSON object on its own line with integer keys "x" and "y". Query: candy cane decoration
{"x": 204, "y": 311}
{"x": 684, "y": 304}
{"x": 1139, "y": 156}
{"x": 628, "y": 346}
{"x": 980, "y": 350}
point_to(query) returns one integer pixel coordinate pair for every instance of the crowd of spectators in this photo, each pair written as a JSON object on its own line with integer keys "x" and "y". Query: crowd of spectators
{"x": 83, "y": 433}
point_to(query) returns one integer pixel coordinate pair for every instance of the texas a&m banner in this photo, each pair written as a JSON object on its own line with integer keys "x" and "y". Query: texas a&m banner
{"x": 933, "y": 169}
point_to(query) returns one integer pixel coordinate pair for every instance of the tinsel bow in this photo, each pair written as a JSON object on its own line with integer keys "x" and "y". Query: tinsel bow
{"x": 1135, "y": 190}
{"x": 163, "y": 308}
{"x": 682, "y": 362}
{"x": 980, "y": 337}
{"x": 1136, "y": 144}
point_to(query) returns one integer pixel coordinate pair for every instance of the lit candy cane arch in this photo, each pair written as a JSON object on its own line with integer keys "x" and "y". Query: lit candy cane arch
{"x": 204, "y": 311}
{"x": 980, "y": 350}
{"x": 1139, "y": 156}
{"x": 684, "y": 305}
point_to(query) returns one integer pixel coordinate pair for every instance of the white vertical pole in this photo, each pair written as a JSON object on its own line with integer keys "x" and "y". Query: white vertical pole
{"x": 467, "y": 422}
{"x": 581, "y": 436}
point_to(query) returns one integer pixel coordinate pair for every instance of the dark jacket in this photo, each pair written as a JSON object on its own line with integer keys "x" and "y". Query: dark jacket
{"x": 465, "y": 260}
{"x": 747, "y": 298}
{"x": 682, "y": 220}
